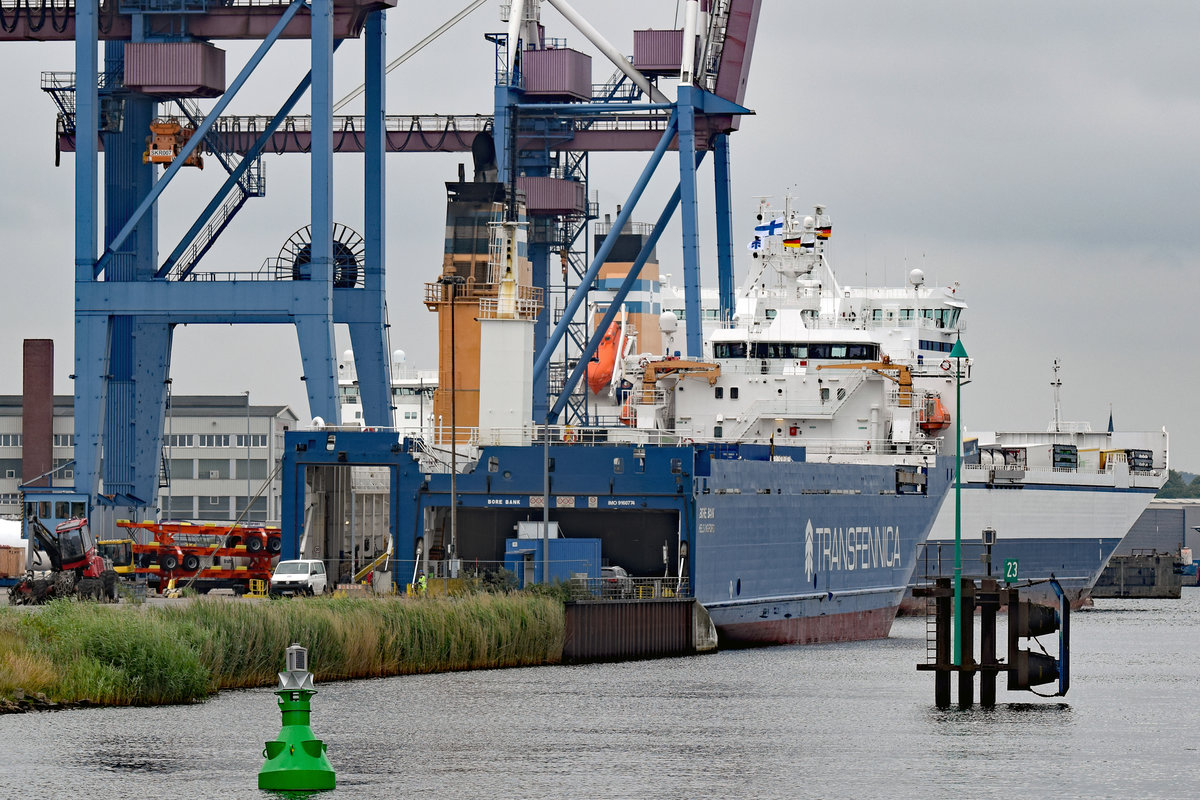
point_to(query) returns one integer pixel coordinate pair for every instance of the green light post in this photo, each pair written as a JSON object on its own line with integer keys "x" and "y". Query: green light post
{"x": 958, "y": 354}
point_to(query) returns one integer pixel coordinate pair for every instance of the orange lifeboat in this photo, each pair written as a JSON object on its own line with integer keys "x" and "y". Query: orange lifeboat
{"x": 600, "y": 370}
{"x": 936, "y": 416}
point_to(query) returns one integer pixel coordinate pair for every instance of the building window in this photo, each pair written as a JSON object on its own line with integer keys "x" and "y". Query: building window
{"x": 8, "y": 499}
{"x": 64, "y": 440}
{"x": 10, "y": 473}
{"x": 214, "y": 440}
{"x": 10, "y": 440}
{"x": 256, "y": 440}
{"x": 178, "y": 440}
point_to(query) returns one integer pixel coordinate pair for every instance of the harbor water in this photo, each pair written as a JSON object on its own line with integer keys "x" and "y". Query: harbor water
{"x": 831, "y": 721}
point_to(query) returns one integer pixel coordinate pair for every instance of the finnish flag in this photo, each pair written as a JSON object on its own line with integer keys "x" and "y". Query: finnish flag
{"x": 772, "y": 228}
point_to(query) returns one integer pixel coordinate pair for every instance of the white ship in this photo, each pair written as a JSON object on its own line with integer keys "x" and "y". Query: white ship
{"x": 1059, "y": 500}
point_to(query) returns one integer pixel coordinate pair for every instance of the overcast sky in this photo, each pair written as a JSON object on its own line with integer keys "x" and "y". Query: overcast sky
{"x": 1042, "y": 155}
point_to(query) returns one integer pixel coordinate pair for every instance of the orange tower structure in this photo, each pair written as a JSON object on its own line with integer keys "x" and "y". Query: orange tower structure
{"x": 476, "y": 247}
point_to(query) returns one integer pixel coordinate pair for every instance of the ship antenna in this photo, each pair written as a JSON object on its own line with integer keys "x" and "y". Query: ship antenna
{"x": 1056, "y": 385}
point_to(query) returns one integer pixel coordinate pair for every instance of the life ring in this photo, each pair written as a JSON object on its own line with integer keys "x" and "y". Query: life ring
{"x": 946, "y": 365}
{"x": 568, "y": 434}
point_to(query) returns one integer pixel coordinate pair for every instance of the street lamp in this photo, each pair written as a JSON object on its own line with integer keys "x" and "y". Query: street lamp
{"x": 451, "y": 284}
{"x": 248, "y": 493}
{"x": 958, "y": 354}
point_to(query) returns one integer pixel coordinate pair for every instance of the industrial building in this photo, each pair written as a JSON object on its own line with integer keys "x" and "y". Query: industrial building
{"x": 217, "y": 452}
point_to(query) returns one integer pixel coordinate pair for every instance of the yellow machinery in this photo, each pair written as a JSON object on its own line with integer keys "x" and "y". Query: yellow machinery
{"x": 903, "y": 377}
{"x": 167, "y": 137}
{"x": 119, "y": 552}
{"x": 656, "y": 369}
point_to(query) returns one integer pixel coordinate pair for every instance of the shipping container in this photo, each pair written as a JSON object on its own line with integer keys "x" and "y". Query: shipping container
{"x": 568, "y": 558}
{"x": 658, "y": 52}
{"x": 557, "y": 73}
{"x": 553, "y": 195}
{"x": 178, "y": 69}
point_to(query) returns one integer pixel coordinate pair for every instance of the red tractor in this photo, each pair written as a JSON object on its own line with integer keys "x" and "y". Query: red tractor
{"x": 76, "y": 569}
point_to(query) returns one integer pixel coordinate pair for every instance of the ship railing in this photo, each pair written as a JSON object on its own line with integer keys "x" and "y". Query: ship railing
{"x": 1081, "y": 469}
{"x": 628, "y": 588}
{"x": 936, "y": 560}
{"x": 773, "y": 409}
{"x": 833, "y": 447}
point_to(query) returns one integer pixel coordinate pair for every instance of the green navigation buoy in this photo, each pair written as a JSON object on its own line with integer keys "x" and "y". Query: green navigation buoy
{"x": 296, "y": 760}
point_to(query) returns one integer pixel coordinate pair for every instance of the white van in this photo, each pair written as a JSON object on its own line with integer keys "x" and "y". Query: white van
{"x": 303, "y": 576}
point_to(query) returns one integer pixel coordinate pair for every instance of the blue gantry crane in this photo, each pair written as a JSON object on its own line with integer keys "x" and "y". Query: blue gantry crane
{"x": 546, "y": 119}
{"x": 159, "y": 54}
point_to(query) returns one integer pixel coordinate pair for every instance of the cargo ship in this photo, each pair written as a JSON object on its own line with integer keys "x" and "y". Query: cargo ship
{"x": 785, "y": 480}
{"x": 1057, "y": 501}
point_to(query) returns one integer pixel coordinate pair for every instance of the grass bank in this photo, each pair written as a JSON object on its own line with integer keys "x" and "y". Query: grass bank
{"x": 82, "y": 653}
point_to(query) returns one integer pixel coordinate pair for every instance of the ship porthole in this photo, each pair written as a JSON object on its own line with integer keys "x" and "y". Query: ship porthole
{"x": 739, "y": 587}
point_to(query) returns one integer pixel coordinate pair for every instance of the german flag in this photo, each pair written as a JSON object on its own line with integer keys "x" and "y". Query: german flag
{"x": 793, "y": 242}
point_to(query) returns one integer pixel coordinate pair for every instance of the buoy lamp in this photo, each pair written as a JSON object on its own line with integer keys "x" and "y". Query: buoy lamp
{"x": 296, "y": 760}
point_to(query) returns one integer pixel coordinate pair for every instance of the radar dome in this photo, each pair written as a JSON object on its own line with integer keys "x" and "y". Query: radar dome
{"x": 916, "y": 277}
{"x": 347, "y": 355}
{"x": 398, "y": 356}
{"x": 809, "y": 222}
{"x": 318, "y": 423}
{"x": 668, "y": 322}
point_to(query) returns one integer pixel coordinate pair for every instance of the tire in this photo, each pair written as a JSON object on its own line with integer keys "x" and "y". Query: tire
{"x": 64, "y": 584}
{"x": 109, "y": 579}
{"x": 274, "y": 545}
{"x": 238, "y": 590}
{"x": 191, "y": 562}
{"x": 89, "y": 589}
{"x": 254, "y": 545}
{"x": 169, "y": 562}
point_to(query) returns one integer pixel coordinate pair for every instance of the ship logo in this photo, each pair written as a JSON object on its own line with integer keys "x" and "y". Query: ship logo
{"x": 808, "y": 545}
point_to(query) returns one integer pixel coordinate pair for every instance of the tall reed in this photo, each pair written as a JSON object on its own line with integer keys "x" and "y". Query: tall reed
{"x": 80, "y": 652}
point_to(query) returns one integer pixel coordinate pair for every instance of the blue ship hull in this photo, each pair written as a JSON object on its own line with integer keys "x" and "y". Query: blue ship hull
{"x": 808, "y": 552}
{"x": 779, "y": 550}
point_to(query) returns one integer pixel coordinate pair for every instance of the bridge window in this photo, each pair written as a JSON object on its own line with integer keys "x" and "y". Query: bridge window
{"x": 729, "y": 349}
{"x": 733, "y": 393}
{"x": 718, "y": 392}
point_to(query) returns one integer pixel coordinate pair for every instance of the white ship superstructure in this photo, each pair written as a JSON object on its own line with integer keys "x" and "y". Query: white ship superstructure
{"x": 794, "y": 361}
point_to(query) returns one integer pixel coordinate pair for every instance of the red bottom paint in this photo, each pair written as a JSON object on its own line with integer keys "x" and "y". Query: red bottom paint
{"x": 849, "y": 627}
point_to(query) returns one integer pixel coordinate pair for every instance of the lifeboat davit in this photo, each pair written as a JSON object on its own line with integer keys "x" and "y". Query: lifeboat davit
{"x": 936, "y": 416}
{"x": 600, "y": 370}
